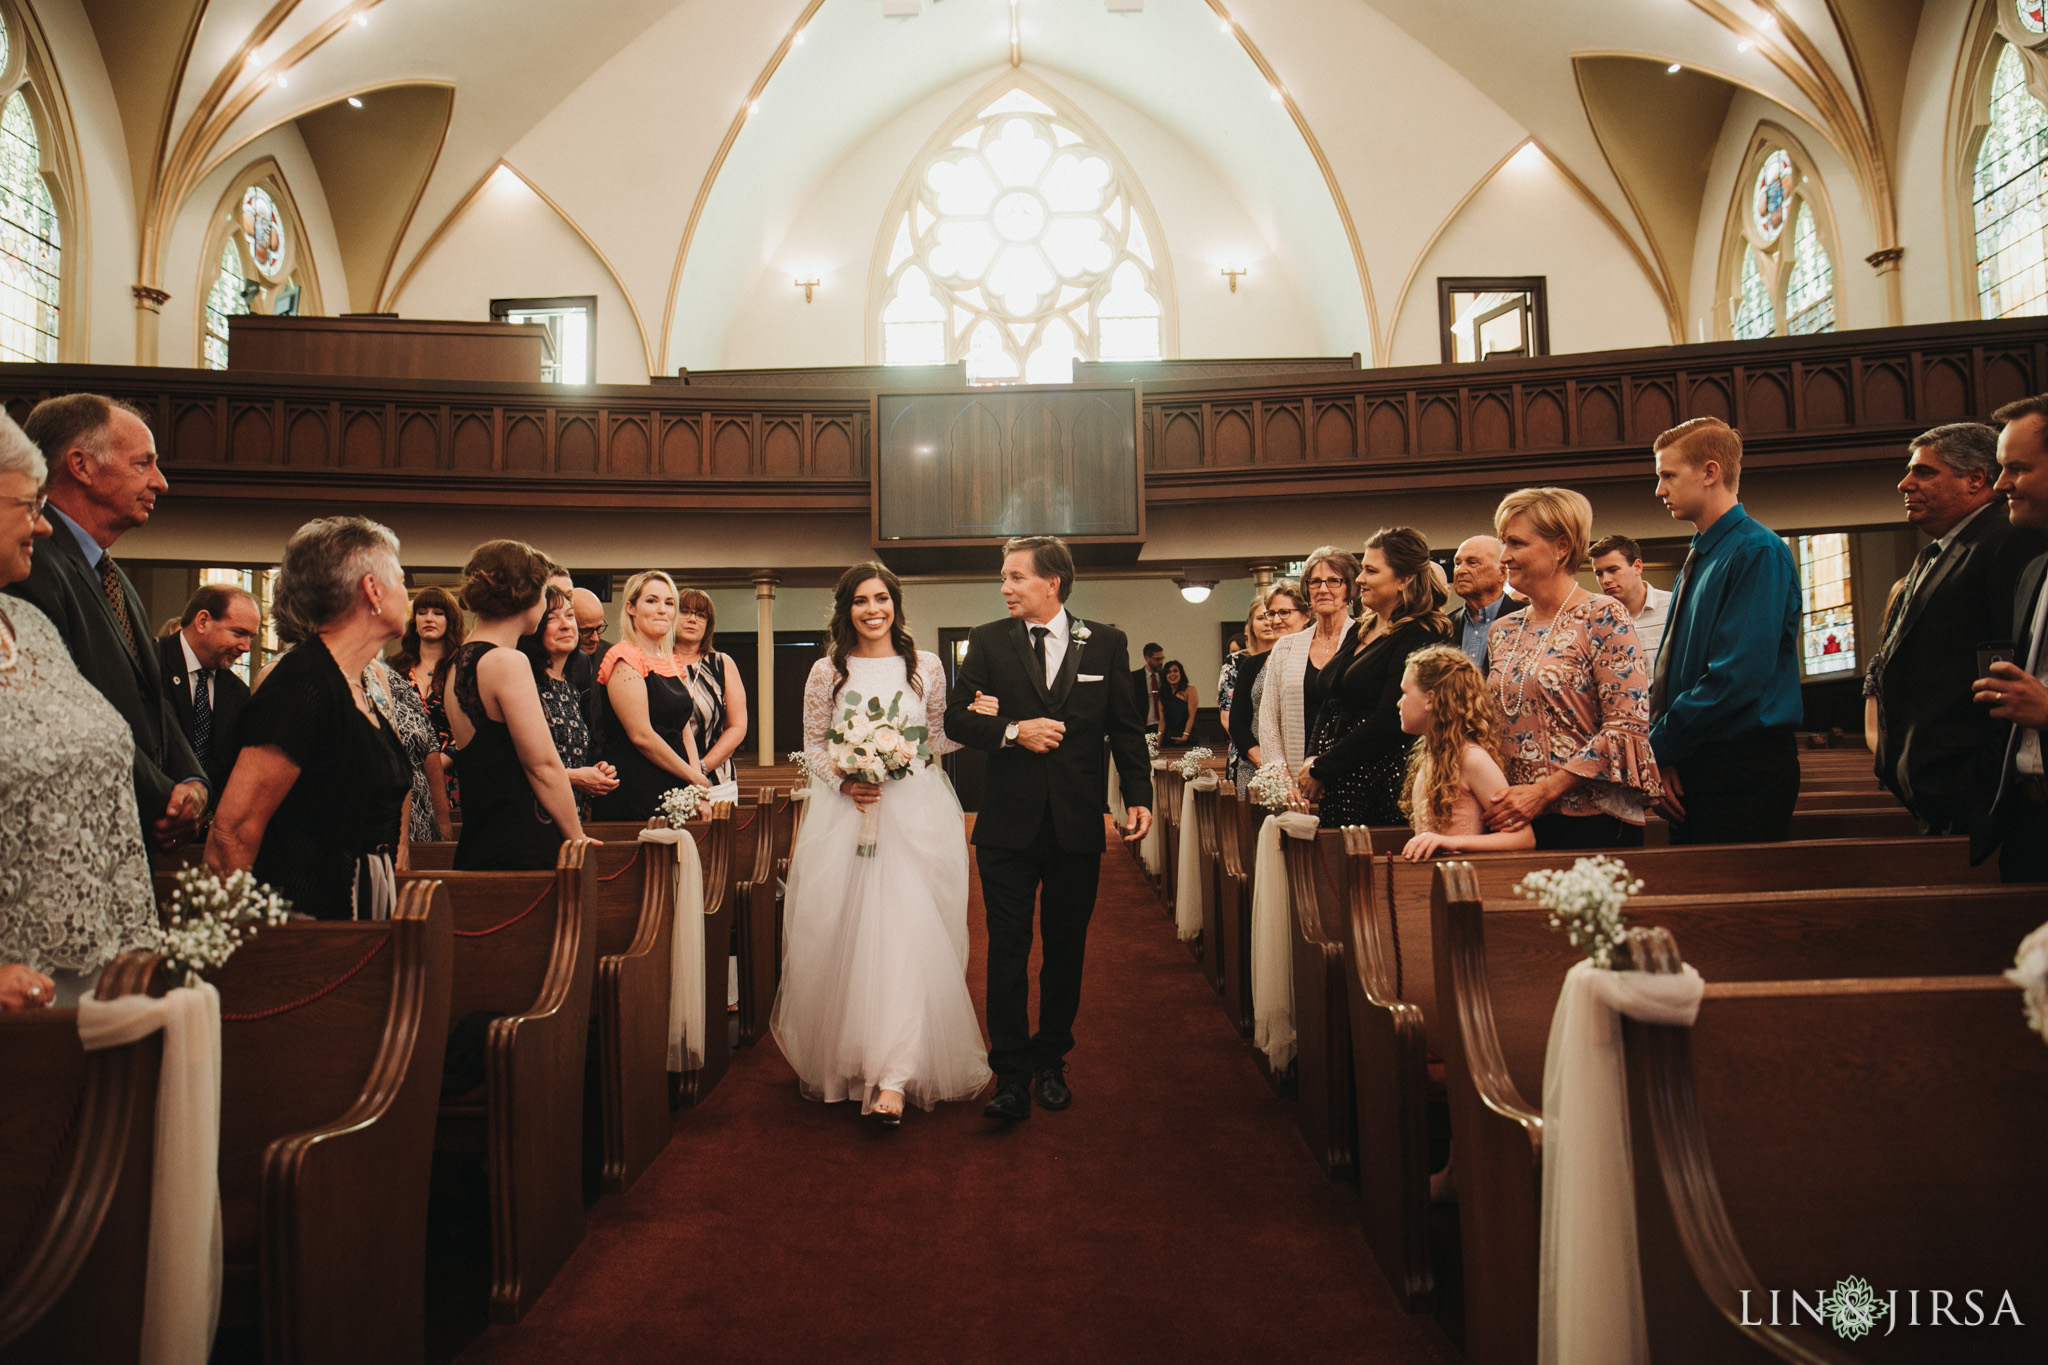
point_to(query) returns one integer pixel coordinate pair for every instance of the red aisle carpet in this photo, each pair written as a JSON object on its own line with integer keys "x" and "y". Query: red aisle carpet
{"x": 1172, "y": 1214}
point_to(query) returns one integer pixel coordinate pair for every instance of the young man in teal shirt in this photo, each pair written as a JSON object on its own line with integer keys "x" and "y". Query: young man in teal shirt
{"x": 1725, "y": 701}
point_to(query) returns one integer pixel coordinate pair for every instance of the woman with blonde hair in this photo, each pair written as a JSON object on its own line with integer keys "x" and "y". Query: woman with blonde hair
{"x": 1454, "y": 771}
{"x": 1357, "y": 753}
{"x": 1573, "y": 683}
{"x": 642, "y": 705}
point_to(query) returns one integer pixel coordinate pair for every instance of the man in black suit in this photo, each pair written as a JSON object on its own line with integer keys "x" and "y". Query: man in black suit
{"x": 1146, "y": 685}
{"x": 2016, "y": 693}
{"x": 1059, "y": 688}
{"x": 104, "y": 480}
{"x": 591, "y": 646}
{"x": 219, "y": 625}
{"x": 1937, "y": 750}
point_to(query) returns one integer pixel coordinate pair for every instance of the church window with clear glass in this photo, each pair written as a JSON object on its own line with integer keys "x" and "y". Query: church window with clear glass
{"x": 1022, "y": 250}
{"x": 1781, "y": 278}
{"x": 2008, "y": 193}
{"x": 256, "y": 265}
{"x": 31, "y": 248}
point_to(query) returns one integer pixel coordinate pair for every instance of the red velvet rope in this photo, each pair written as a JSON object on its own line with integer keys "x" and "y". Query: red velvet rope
{"x": 748, "y": 821}
{"x": 625, "y": 869}
{"x": 320, "y": 994}
{"x": 545, "y": 892}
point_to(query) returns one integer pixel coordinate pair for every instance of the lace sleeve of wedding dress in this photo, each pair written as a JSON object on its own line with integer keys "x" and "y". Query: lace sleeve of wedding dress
{"x": 818, "y": 693}
{"x": 932, "y": 674}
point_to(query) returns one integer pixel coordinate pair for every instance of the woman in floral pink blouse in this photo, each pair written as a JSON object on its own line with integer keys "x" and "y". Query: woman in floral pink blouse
{"x": 1573, "y": 683}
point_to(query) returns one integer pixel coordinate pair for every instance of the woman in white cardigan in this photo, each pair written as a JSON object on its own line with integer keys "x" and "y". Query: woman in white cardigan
{"x": 1329, "y": 578}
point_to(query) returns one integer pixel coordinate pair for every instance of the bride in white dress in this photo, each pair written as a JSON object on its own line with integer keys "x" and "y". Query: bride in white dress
{"x": 874, "y": 1003}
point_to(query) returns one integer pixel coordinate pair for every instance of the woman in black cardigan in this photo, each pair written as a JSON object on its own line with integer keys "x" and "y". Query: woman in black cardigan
{"x": 1358, "y": 754}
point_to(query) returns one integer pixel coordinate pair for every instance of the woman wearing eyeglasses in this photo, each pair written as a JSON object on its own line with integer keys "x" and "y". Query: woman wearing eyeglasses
{"x": 1295, "y": 671}
{"x": 74, "y": 875}
{"x": 1277, "y": 612}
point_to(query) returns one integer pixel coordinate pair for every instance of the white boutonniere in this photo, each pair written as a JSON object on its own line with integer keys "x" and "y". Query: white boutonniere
{"x": 1080, "y": 631}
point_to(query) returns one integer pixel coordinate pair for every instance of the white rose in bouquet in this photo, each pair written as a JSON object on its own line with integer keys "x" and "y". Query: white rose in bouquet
{"x": 872, "y": 744}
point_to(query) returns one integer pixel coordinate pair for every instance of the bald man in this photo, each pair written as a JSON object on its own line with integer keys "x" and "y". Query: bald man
{"x": 1477, "y": 576}
{"x": 591, "y": 646}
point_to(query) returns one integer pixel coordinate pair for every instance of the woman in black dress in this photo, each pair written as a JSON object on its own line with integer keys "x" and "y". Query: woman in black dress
{"x": 548, "y": 650}
{"x": 718, "y": 699}
{"x": 316, "y": 803}
{"x": 518, "y": 806}
{"x": 1177, "y": 701}
{"x": 642, "y": 705}
{"x": 432, "y": 636}
{"x": 1358, "y": 753}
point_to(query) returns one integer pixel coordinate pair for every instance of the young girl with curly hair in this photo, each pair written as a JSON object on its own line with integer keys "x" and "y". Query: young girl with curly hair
{"x": 1455, "y": 772}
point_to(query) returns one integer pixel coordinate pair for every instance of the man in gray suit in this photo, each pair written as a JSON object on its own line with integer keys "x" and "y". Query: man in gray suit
{"x": 104, "y": 481}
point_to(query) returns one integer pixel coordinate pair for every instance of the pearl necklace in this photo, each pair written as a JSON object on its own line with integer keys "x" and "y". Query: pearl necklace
{"x": 1523, "y": 657}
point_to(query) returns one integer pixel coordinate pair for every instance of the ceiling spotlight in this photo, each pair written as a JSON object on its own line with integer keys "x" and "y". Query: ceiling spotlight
{"x": 1673, "y": 69}
{"x": 1745, "y": 46}
{"x": 362, "y": 18}
{"x": 354, "y": 103}
{"x": 797, "y": 39}
{"x": 1274, "y": 91}
{"x": 1194, "y": 589}
{"x": 282, "y": 80}
{"x": 1225, "y": 25}
{"x": 255, "y": 57}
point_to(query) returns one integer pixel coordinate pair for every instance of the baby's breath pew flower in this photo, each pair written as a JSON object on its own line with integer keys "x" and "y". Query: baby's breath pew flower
{"x": 1271, "y": 786}
{"x": 802, "y": 762}
{"x": 1189, "y": 764}
{"x": 1585, "y": 902}
{"x": 210, "y": 917}
{"x": 679, "y": 805}
{"x": 1152, "y": 743}
{"x": 2029, "y": 971}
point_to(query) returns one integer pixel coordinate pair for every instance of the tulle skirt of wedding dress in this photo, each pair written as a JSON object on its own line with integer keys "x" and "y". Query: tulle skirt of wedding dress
{"x": 874, "y": 987}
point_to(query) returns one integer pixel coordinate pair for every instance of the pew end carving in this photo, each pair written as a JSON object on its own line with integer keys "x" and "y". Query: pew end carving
{"x": 629, "y": 1001}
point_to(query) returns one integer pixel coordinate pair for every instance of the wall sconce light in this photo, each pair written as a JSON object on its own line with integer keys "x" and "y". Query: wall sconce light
{"x": 1235, "y": 274}
{"x": 807, "y": 286}
{"x": 1194, "y": 589}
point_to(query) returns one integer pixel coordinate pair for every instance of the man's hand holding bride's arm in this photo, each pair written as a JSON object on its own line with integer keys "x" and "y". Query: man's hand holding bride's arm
{"x": 1040, "y": 735}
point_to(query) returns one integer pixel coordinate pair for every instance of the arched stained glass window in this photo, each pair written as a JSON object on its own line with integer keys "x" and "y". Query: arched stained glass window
{"x": 223, "y": 301}
{"x": 30, "y": 248}
{"x": 1754, "y": 316}
{"x": 1772, "y": 196}
{"x": 1810, "y": 293}
{"x": 2030, "y": 15}
{"x": 1021, "y": 250}
{"x": 2008, "y": 193}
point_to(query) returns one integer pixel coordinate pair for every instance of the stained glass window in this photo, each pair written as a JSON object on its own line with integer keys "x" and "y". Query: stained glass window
{"x": 1827, "y": 629}
{"x": 2008, "y": 193}
{"x": 30, "y": 247}
{"x": 264, "y": 227}
{"x": 224, "y": 300}
{"x": 1021, "y": 251}
{"x": 1754, "y": 316}
{"x": 1810, "y": 294}
{"x": 2031, "y": 17}
{"x": 1772, "y": 195}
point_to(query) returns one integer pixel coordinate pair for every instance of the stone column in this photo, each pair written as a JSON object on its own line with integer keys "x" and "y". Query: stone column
{"x": 1885, "y": 261}
{"x": 149, "y": 303}
{"x": 764, "y": 671}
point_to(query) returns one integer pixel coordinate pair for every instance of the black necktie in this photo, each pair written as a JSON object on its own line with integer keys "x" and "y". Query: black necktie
{"x": 1038, "y": 634}
{"x": 202, "y": 713}
{"x": 1922, "y": 564}
{"x": 1660, "y": 686}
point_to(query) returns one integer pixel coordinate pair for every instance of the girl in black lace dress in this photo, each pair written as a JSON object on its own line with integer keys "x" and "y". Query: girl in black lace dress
{"x": 549, "y": 650}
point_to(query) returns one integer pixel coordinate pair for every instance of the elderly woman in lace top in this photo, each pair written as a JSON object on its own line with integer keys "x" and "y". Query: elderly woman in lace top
{"x": 1573, "y": 683}
{"x": 74, "y": 874}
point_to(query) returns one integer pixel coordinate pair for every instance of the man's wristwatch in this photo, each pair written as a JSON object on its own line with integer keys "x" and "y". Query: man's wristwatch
{"x": 1009, "y": 734}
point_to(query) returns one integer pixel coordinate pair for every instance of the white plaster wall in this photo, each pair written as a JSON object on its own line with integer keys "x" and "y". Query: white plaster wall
{"x": 1528, "y": 220}
{"x": 1937, "y": 274}
{"x": 185, "y": 265}
{"x": 509, "y": 244}
{"x": 105, "y": 224}
{"x": 1201, "y": 225}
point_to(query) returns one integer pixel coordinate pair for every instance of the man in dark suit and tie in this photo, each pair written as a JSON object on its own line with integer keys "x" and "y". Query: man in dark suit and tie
{"x": 2016, "y": 692}
{"x": 1937, "y": 750}
{"x": 104, "y": 480}
{"x": 1145, "y": 683}
{"x": 1059, "y": 686}
{"x": 219, "y": 625}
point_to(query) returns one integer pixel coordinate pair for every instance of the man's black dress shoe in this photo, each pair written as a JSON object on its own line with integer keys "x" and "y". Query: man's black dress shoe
{"x": 1012, "y": 1101}
{"x": 1052, "y": 1087}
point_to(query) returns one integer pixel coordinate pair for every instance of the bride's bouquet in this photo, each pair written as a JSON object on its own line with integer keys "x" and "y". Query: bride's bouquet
{"x": 872, "y": 744}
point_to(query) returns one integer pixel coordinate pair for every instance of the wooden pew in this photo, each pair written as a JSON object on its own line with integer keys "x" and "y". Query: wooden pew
{"x": 1866, "y": 820}
{"x": 77, "y": 1164}
{"x": 1319, "y": 887}
{"x": 714, "y": 836}
{"x": 525, "y": 952}
{"x": 1499, "y": 969}
{"x": 1213, "y": 951}
{"x": 1166, "y": 787}
{"x": 755, "y": 910}
{"x": 332, "y": 1038}
{"x": 1237, "y": 832}
{"x": 633, "y": 919}
{"x": 1804, "y": 1131}
{"x": 1391, "y": 975}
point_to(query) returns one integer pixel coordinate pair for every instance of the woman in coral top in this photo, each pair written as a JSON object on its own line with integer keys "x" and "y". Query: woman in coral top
{"x": 642, "y": 705}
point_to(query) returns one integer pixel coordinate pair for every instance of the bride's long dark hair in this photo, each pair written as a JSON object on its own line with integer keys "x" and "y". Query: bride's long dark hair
{"x": 845, "y": 638}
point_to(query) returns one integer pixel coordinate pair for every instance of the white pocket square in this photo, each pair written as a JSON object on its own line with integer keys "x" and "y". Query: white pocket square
{"x": 1089, "y": 677}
